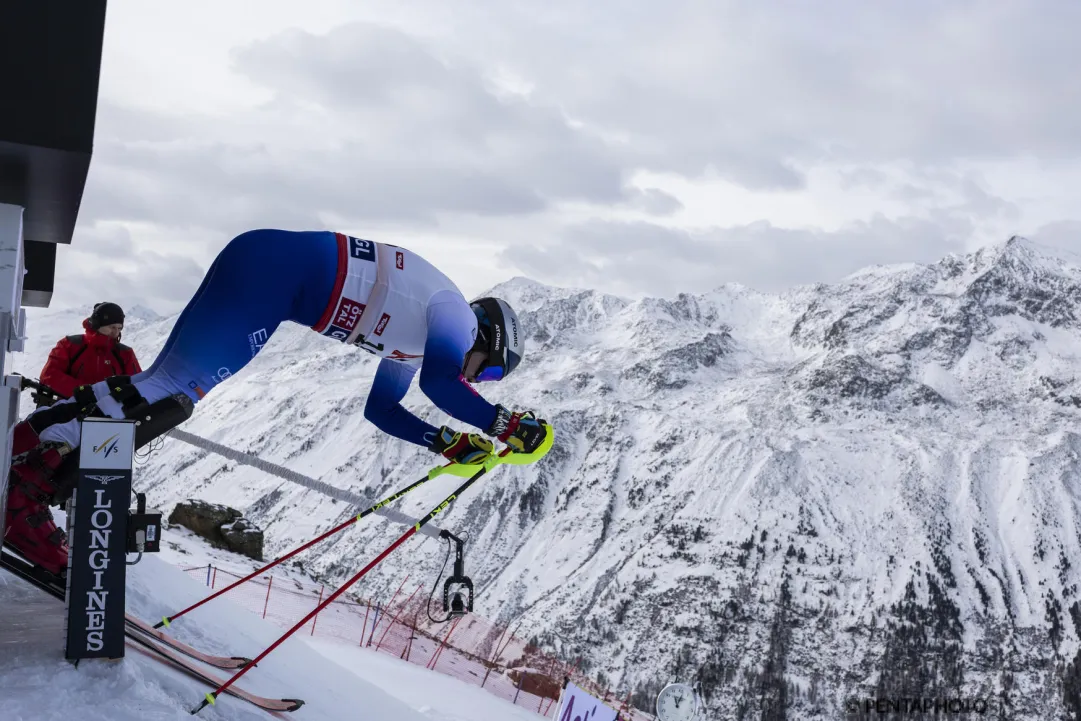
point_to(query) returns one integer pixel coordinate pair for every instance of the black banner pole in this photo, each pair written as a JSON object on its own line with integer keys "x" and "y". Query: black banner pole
{"x": 98, "y": 523}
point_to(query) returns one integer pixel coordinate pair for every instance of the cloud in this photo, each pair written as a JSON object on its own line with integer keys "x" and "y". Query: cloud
{"x": 642, "y": 257}
{"x": 862, "y": 177}
{"x": 653, "y": 202}
{"x": 758, "y": 89}
{"x": 365, "y": 122}
{"x": 104, "y": 262}
{"x": 955, "y": 213}
{"x": 1065, "y": 234}
{"x": 483, "y": 125}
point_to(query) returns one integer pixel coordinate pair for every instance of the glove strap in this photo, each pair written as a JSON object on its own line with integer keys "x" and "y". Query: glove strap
{"x": 443, "y": 440}
{"x": 501, "y": 425}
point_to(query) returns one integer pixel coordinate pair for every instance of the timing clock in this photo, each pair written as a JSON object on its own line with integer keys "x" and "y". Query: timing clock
{"x": 677, "y": 702}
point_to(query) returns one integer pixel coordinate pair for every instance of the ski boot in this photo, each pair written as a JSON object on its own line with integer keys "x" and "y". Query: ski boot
{"x": 152, "y": 420}
{"x": 45, "y": 473}
{"x": 29, "y": 527}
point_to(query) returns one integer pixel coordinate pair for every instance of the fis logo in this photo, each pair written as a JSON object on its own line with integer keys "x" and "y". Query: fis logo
{"x": 104, "y": 480}
{"x": 108, "y": 446}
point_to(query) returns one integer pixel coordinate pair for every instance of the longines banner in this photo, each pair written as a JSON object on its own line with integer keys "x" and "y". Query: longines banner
{"x": 97, "y": 573}
{"x": 577, "y": 705}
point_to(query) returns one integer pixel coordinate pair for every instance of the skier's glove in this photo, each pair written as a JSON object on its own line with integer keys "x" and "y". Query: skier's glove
{"x": 521, "y": 431}
{"x": 471, "y": 449}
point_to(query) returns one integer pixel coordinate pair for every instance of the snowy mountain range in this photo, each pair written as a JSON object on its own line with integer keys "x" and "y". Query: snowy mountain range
{"x": 864, "y": 490}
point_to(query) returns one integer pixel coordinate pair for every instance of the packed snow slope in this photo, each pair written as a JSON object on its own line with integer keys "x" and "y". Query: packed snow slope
{"x": 38, "y": 684}
{"x": 860, "y": 489}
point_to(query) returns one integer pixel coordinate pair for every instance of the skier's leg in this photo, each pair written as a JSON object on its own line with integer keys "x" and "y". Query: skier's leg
{"x": 211, "y": 273}
{"x": 260, "y": 279}
{"x": 65, "y": 414}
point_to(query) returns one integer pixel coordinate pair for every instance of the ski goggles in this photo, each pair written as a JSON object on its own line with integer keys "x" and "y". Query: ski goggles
{"x": 476, "y": 371}
{"x": 490, "y": 373}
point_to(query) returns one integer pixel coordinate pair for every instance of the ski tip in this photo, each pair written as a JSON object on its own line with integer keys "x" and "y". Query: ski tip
{"x": 242, "y": 661}
{"x": 295, "y": 703}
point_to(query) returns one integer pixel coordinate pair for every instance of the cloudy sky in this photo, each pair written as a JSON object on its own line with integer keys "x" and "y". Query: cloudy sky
{"x": 634, "y": 146}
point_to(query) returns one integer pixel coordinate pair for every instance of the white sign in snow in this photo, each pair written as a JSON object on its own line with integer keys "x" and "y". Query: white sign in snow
{"x": 577, "y": 705}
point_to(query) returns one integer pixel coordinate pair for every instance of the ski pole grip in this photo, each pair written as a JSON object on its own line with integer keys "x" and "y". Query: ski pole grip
{"x": 524, "y": 459}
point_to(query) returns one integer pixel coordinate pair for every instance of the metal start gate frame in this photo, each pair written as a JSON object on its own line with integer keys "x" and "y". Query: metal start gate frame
{"x": 50, "y": 65}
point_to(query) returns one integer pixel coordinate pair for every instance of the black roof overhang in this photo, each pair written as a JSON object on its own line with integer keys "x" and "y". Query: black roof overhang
{"x": 50, "y": 63}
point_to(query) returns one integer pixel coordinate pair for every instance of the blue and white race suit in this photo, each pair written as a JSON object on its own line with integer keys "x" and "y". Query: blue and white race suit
{"x": 383, "y": 298}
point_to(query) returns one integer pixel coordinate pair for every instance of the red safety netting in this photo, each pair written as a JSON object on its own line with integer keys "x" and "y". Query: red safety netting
{"x": 470, "y": 648}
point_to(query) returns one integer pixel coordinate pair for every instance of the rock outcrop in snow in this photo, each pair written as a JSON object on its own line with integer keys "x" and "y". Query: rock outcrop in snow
{"x": 222, "y": 526}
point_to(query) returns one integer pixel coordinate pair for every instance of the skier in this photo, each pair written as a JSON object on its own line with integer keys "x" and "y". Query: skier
{"x": 383, "y": 298}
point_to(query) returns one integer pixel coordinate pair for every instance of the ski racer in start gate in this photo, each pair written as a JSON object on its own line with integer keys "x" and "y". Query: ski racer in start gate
{"x": 383, "y": 298}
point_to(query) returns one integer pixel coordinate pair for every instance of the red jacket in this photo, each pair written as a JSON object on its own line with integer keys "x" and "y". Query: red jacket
{"x": 84, "y": 359}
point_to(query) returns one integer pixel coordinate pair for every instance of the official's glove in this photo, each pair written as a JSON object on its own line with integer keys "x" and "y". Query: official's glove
{"x": 521, "y": 431}
{"x": 43, "y": 398}
{"x": 470, "y": 450}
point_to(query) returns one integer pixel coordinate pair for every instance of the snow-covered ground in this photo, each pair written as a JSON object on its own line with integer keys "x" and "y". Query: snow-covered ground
{"x": 336, "y": 680}
{"x": 432, "y": 694}
{"x": 337, "y": 628}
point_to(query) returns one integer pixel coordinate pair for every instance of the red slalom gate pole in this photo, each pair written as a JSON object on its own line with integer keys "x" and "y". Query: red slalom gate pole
{"x": 439, "y": 470}
{"x": 494, "y": 461}
{"x": 211, "y": 697}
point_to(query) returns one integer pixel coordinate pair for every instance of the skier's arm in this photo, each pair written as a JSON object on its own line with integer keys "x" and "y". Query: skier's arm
{"x": 384, "y": 408}
{"x": 449, "y": 339}
{"x": 450, "y": 324}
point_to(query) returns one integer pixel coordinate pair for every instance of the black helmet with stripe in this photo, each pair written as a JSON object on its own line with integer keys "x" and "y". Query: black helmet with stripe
{"x": 499, "y": 339}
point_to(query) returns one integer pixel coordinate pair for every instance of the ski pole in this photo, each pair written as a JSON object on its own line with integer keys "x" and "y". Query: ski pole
{"x": 447, "y": 469}
{"x": 488, "y": 465}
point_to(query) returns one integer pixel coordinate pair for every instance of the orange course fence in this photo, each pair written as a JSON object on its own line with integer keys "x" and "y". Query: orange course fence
{"x": 470, "y": 648}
